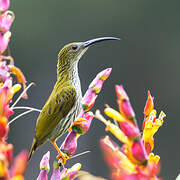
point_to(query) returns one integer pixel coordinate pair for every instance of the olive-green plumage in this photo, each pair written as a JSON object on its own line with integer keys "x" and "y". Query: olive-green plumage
{"x": 64, "y": 103}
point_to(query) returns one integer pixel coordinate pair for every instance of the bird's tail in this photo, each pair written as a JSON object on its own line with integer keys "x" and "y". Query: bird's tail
{"x": 33, "y": 148}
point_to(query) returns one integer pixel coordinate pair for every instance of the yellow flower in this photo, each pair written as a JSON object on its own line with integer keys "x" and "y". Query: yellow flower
{"x": 151, "y": 127}
{"x": 18, "y": 177}
{"x": 153, "y": 158}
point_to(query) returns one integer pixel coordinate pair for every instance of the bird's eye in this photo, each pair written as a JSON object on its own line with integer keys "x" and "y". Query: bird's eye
{"x": 74, "y": 47}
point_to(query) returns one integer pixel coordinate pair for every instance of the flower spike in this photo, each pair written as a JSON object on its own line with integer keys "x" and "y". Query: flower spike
{"x": 134, "y": 160}
{"x": 83, "y": 122}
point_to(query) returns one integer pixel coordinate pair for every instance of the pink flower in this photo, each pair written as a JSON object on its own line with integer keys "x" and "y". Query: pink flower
{"x": 6, "y": 149}
{"x": 3, "y": 127}
{"x": 6, "y": 20}
{"x": 85, "y": 123}
{"x": 98, "y": 81}
{"x": 42, "y": 175}
{"x": 4, "y": 5}
{"x": 129, "y": 129}
{"x": 44, "y": 167}
{"x": 121, "y": 93}
{"x": 4, "y": 40}
{"x": 105, "y": 74}
{"x": 69, "y": 145}
{"x": 89, "y": 99}
{"x": 56, "y": 171}
{"x": 4, "y": 71}
{"x": 124, "y": 103}
{"x": 139, "y": 152}
{"x": 44, "y": 164}
{"x": 20, "y": 163}
{"x": 126, "y": 108}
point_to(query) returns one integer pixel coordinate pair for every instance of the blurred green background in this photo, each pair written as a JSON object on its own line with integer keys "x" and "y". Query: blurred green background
{"x": 147, "y": 58}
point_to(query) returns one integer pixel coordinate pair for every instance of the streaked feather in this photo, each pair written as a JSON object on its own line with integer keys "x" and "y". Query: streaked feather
{"x": 56, "y": 108}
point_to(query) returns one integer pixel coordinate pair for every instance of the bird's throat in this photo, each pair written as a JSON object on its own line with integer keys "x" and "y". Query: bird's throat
{"x": 68, "y": 73}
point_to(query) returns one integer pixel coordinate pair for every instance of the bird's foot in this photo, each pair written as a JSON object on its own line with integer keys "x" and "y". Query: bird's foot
{"x": 62, "y": 158}
{"x": 77, "y": 122}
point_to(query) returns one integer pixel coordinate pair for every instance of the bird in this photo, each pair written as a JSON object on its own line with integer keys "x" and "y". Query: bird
{"x": 64, "y": 103}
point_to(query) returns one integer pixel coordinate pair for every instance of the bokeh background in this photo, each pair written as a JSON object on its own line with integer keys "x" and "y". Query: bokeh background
{"x": 147, "y": 58}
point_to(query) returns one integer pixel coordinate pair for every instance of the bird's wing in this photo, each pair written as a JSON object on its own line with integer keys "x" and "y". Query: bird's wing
{"x": 56, "y": 108}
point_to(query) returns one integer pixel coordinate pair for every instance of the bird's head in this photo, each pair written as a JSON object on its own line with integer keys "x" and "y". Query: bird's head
{"x": 72, "y": 52}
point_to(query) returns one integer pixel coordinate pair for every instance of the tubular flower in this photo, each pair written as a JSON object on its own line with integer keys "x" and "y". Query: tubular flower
{"x": 6, "y": 20}
{"x": 69, "y": 145}
{"x": 4, "y": 40}
{"x": 151, "y": 126}
{"x": 44, "y": 167}
{"x": 134, "y": 160}
{"x": 124, "y": 103}
{"x": 4, "y": 5}
{"x": 149, "y": 106}
{"x": 89, "y": 99}
{"x": 65, "y": 174}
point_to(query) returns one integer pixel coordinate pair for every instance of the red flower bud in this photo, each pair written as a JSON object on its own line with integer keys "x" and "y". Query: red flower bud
{"x": 139, "y": 152}
{"x": 89, "y": 99}
{"x": 126, "y": 109}
{"x": 69, "y": 145}
{"x": 129, "y": 129}
{"x": 121, "y": 93}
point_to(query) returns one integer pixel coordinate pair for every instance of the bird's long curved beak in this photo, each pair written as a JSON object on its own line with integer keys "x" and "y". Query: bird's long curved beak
{"x": 93, "y": 41}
